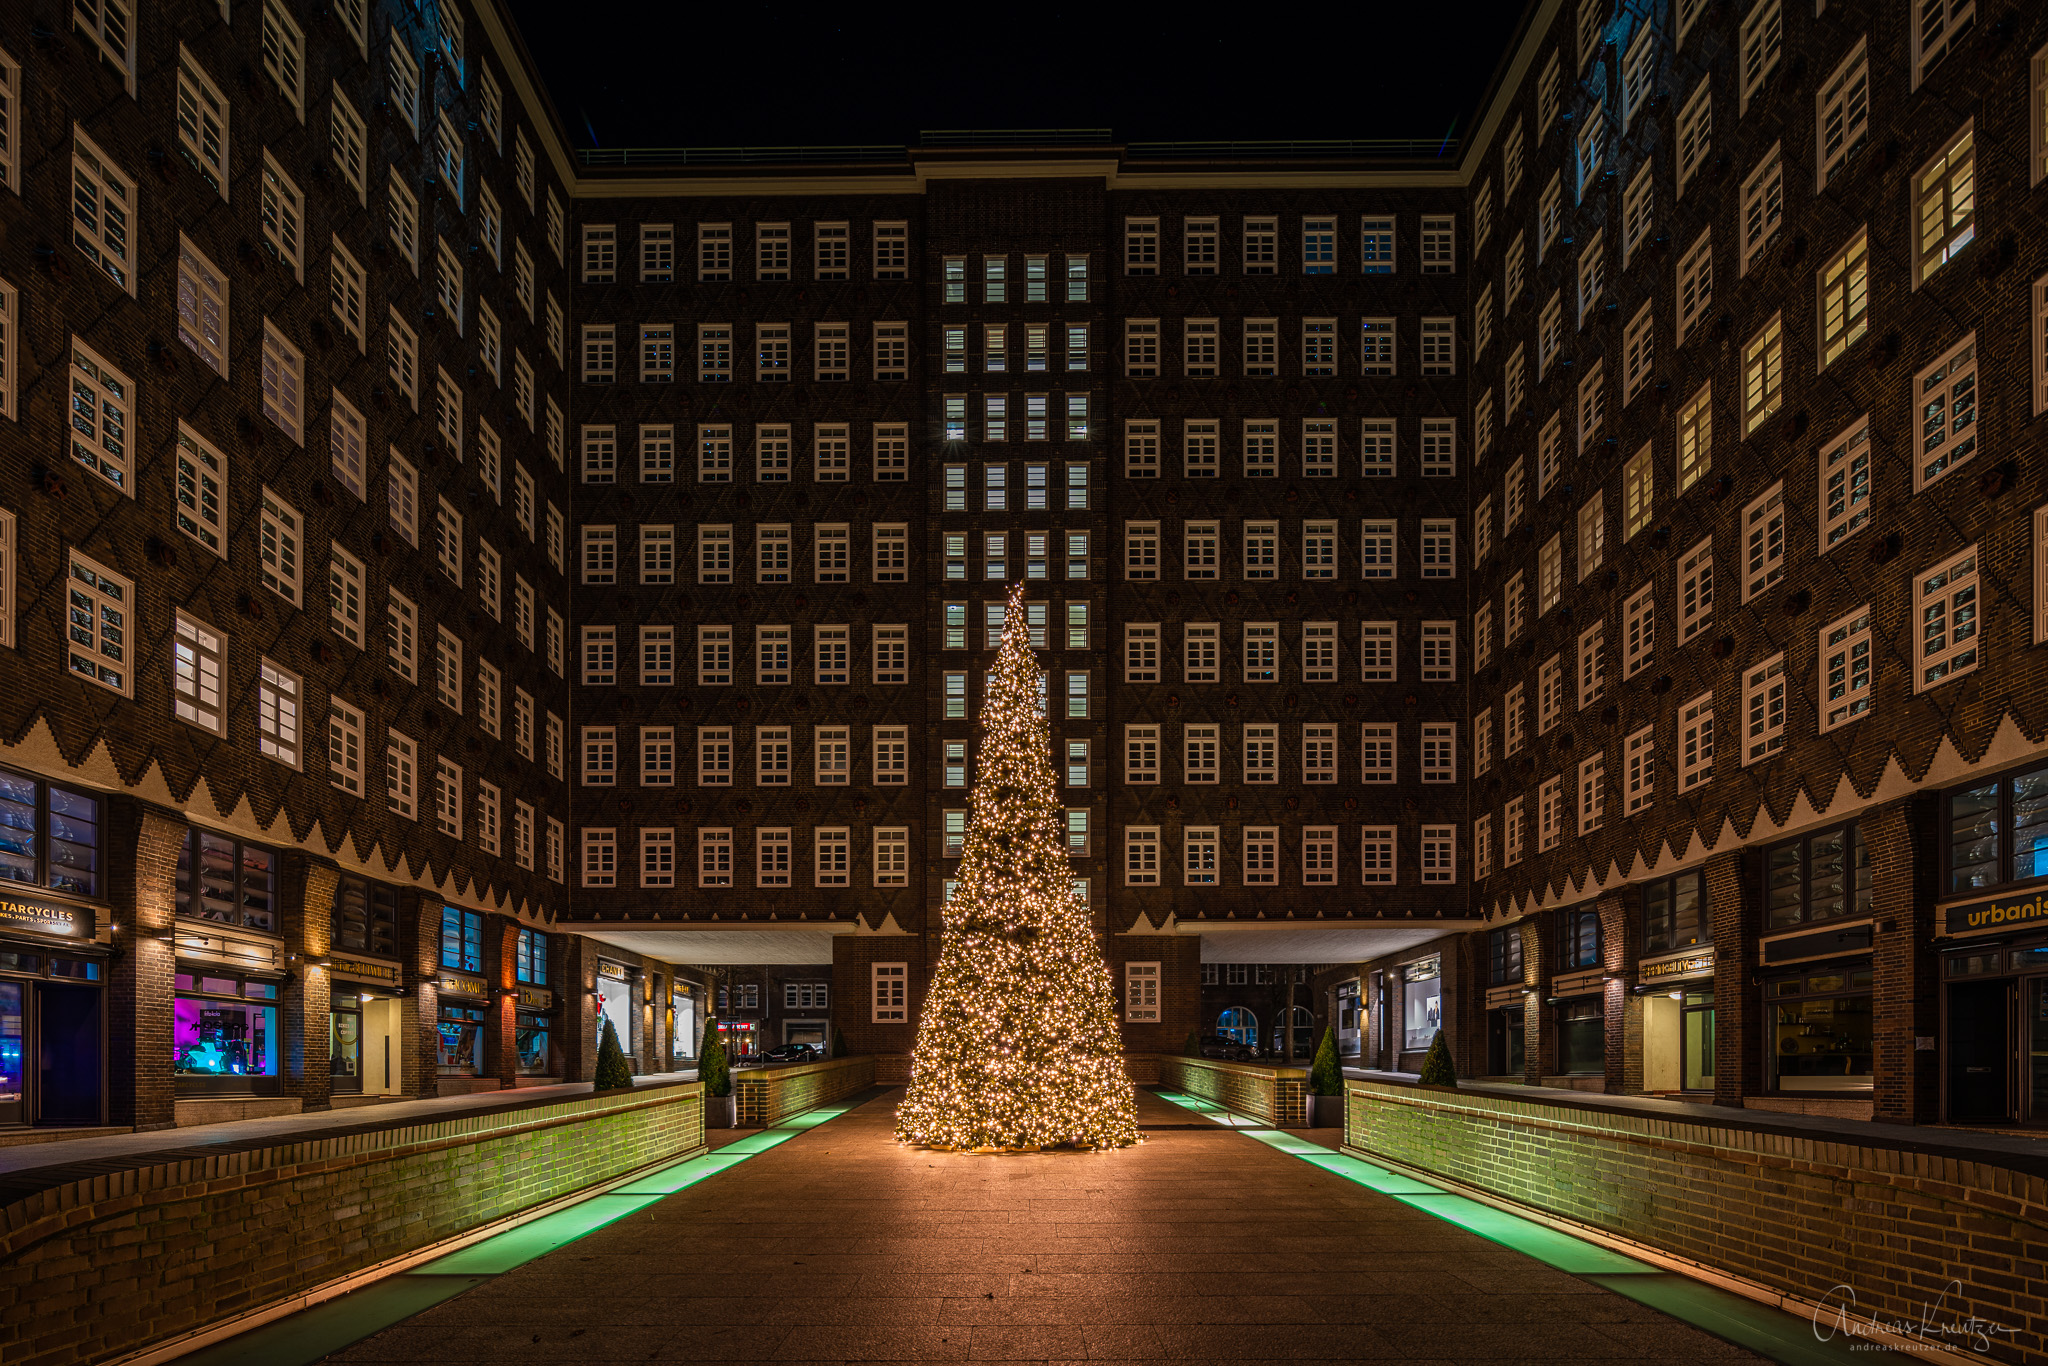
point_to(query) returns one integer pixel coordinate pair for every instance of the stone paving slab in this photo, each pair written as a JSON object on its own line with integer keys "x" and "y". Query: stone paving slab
{"x": 1198, "y": 1246}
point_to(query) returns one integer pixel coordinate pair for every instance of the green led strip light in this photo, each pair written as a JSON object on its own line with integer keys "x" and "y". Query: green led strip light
{"x": 305, "y": 1337}
{"x": 1766, "y": 1330}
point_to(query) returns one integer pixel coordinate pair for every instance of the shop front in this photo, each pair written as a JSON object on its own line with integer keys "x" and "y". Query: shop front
{"x": 1350, "y": 1019}
{"x": 1677, "y": 993}
{"x": 1506, "y": 1001}
{"x": 52, "y": 971}
{"x": 461, "y": 1010}
{"x": 1994, "y": 973}
{"x": 52, "y": 1013}
{"x": 1577, "y": 1002}
{"x": 615, "y": 1004}
{"x": 365, "y": 1038}
{"x": 1993, "y": 929}
{"x": 1675, "y": 984}
{"x": 1422, "y": 1007}
{"x": 682, "y": 1031}
{"x": 742, "y": 1038}
{"x": 533, "y": 1041}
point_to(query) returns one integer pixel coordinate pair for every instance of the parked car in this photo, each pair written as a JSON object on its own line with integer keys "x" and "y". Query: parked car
{"x": 1216, "y": 1046}
{"x": 793, "y": 1052}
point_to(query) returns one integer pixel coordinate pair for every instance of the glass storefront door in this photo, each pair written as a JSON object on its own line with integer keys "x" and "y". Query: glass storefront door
{"x": 460, "y": 1043}
{"x": 13, "y": 1019}
{"x": 345, "y": 1048}
{"x": 1698, "y": 1030}
{"x": 2037, "y": 1049}
{"x": 1504, "y": 1032}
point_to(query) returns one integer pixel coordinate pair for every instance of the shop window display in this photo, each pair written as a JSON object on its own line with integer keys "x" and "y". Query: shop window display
{"x": 1820, "y": 1030}
{"x": 224, "y": 1027}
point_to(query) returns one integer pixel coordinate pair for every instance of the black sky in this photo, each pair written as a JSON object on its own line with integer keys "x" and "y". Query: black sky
{"x": 747, "y": 74}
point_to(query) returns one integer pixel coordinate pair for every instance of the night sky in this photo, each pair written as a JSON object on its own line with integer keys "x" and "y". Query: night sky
{"x": 751, "y": 75}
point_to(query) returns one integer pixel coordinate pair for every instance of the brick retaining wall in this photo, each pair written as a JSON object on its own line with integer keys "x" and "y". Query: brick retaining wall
{"x": 1273, "y": 1094}
{"x": 769, "y": 1095}
{"x": 101, "y": 1262}
{"x": 1800, "y": 1215}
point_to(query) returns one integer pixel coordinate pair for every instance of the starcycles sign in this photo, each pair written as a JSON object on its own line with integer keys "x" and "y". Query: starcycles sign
{"x": 1975, "y": 917}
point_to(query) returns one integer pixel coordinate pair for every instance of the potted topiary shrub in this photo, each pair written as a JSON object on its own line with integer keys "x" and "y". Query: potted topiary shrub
{"x": 716, "y": 1074}
{"x": 1326, "y": 1086}
{"x": 1193, "y": 1047}
{"x": 1437, "y": 1068}
{"x": 838, "y": 1043}
{"x": 612, "y": 1072}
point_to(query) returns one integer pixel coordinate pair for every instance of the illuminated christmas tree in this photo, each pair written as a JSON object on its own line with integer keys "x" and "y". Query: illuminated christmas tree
{"x": 1017, "y": 1046}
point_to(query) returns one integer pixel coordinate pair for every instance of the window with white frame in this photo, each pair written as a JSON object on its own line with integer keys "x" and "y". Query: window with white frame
{"x": 1550, "y": 575}
{"x": 1639, "y": 631}
{"x": 201, "y": 488}
{"x": 103, "y": 210}
{"x": 1592, "y": 668}
{"x": 1764, "y": 689}
{"x": 1842, "y": 114}
{"x": 401, "y": 774}
{"x": 1763, "y": 374}
{"x": 1844, "y": 289}
{"x": 714, "y": 856}
{"x": 1938, "y": 29}
{"x": 1376, "y": 855}
{"x": 1319, "y": 753}
{"x": 1946, "y": 608}
{"x": 1592, "y": 793}
{"x": 197, "y": 664}
{"x": 1439, "y": 853}
{"x": 1377, "y": 757}
{"x": 1376, "y": 347}
{"x": 1695, "y": 133}
{"x": 1549, "y": 694}
{"x": 657, "y": 856}
{"x": 202, "y": 308}
{"x": 279, "y": 534}
{"x": 1845, "y": 485}
{"x": 1945, "y": 395}
{"x": 1695, "y": 290}
{"x": 1640, "y": 750}
{"x": 1845, "y": 669}
{"x": 345, "y": 746}
{"x": 1763, "y": 541}
{"x": 1550, "y": 813}
{"x": 1261, "y": 754}
{"x": 1439, "y": 346}
{"x": 1944, "y": 200}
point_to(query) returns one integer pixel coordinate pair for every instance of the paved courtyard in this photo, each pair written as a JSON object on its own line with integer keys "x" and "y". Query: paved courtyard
{"x": 1200, "y": 1245}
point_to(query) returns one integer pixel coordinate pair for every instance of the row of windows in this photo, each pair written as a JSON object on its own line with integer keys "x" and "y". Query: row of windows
{"x": 1002, "y": 277}
{"x": 1317, "y": 861}
{"x": 773, "y": 362}
{"x": 1435, "y": 454}
{"x": 774, "y": 251}
{"x": 720, "y": 754}
{"x": 1260, "y": 555}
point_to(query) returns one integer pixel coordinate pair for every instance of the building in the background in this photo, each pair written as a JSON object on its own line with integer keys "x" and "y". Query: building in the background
{"x": 632, "y": 606}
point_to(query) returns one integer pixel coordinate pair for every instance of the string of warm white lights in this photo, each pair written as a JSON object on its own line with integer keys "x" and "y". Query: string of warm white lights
{"x": 1017, "y": 1044}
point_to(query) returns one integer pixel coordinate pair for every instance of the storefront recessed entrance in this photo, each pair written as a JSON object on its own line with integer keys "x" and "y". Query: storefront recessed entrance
{"x": 1996, "y": 1024}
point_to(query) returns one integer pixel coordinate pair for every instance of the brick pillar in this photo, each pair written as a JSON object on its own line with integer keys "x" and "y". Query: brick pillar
{"x": 578, "y": 1018}
{"x": 1535, "y": 1027}
{"x": 1738, "y": 1007}
{"x": 501, "y": 1048}
{"x": 1545, "y": 1051}
{"x": 143, "y": 844}
{"x": 1464, "y": 1016}
{"x": 1904, "y": 871}
{"x": 419, "y": 1011}
{"x": 1620, "y": 946}
{"x": 308, "y": 924}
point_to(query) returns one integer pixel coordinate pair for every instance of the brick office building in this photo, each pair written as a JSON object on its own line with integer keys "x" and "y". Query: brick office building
{"x": 1338, "y": 501}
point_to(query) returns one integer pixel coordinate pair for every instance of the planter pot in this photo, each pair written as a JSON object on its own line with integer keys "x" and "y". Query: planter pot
{"x": 719, "y": 1112}
{"x": 1326, "y": 1112}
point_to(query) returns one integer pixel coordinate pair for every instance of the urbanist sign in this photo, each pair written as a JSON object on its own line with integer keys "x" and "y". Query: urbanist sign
{"x": 72, "y": 922}
{"x": 1981, "y": 917}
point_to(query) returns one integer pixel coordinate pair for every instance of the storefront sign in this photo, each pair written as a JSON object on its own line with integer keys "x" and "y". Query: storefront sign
{"x": 1424, "y": 970}
{"x": 1800, "y": 948}
{"x": 615, "y": 971}
{"x": 1510, "y": 995}
{"x": 365, "y": 972}
{"x": 73, "y": 922}
{"x": 1578, "y": 983}
{"x": 1994, "y": 914}
{"x": 462, "y": 984}
{"x": 536, "y": 998}
{"x": 1698, "y": 963}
